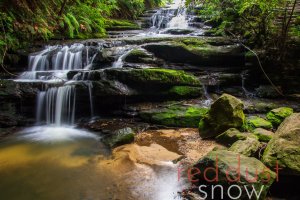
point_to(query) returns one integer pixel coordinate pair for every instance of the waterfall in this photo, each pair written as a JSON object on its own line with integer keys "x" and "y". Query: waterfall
{"x": 56, "y": 105}
{"x": 90, "y": 86}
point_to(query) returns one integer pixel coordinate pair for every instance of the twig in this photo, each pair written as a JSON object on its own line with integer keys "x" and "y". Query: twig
{"x": 260, "y": 64}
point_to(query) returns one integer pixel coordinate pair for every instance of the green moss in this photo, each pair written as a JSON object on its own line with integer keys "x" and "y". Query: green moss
{"x": 231, "y": 136}
{"x": 248, "y": 147}
{"x": 175, "y": 116}
{"x": 277, "y": 116}
{"x": 119, "y": 137}
{"x": 185, "y": 91}
{"x": 154, "y": 76}
{"x": 116, "y": 24}
{"x": 257, "y": 122}
{"x": 263, "y": 135}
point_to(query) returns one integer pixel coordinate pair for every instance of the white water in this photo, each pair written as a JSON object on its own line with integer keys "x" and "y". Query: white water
{"x": 56, "y": 105}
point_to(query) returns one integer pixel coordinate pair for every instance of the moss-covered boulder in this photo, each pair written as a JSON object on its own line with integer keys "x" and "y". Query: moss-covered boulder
{"x": 254, "y": 122}
{"x": 175, "y": 116}
{"x": 263, "y": 134}
{"x": 185, "y": 91}
{"x": 276, "y": 116}
{"x": 231, "y": 136}
{"x": 153, "y": 76}
{"x": 139, "y": 56}
{"x": 226, "y": 112}
{"x": 118, "y": 25}
{"x": 284, "y": 147}
{"x": 239, "y": 169}
{"x": 119, "y": 137}
{"x": 248, "y": 147}
{"x": 197, "y": 51}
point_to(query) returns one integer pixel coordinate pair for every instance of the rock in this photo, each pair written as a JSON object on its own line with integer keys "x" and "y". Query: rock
{"x": 119, "y": 137}
{"x": 263, "y": 135}
{"x": 284, "y": 146}
{"x": 184, "y": 91}
{"x": 240, "y": 168}
{"x": 152, "y": 76}
{"x": 179, "y": 31}
{"x": 267, "y": 91}
{"x": 277, "y": 116}
{"x": 175, "y": 116}
{"x": 226, "y": 112}
{"x": 197, "y": 52}
{"x": 118, "y": 25}
{"x": 248, "y": 147}
{"x": 139, "y": 56}
{"x": 231, "y": 136}
{"x": 254, "y": 122}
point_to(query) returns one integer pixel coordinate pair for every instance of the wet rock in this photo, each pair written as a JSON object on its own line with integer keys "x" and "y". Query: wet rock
{"x": 175, "y": 116}
{"x": 152, "y": 76}
{"x": 226, "y": 112}
{"x": 263, "y": 135}
{"x": 119, "y": 137}
{"x": 197, "y": 52}
{"x": 248, "y": 147}
{"x": 267, "y": 91}
{"x": 14, "y": 90}
{"x": 248, "y": 169}
{"x": 231, "y": 136}
{"x": 179, "y": 31}
{"x": 277, "y": 116}
{"x": 254, "y": 122}
{"x": 284, "y": 146}
{"x": 139, "y": 56}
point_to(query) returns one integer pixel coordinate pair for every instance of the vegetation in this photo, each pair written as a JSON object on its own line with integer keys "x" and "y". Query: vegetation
{"x": 258, "y": 23}
{"x": 23, "y": 21}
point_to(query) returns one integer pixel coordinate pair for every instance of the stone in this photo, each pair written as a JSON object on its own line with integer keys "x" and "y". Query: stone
{"x": 119, "y": 137}
{"x": 197, "y": 52}
{"x": 175, "y": 116}
{"x": 226, "y": 112}
{"x": 254, "y": 122}
{"x": 248, "y": 147}
{"x": 276, "y": 116}
{"x": 139, "y": 56}
{"x": 231, "y": 136}
{"x": 284, "y": 147}
{"x": 179, "y": 31}
{"x": 240, "y": 169}
{"x": 263, "y": 135}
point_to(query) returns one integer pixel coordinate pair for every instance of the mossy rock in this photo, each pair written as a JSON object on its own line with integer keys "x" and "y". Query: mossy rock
{"x": 248, "y": 147}
{"x": 175, "y": 116}
{"x": 277, "y": 116}
{"x": 284, "y": 147}
{"x": 231, "y": 136}
{"x": 119, "y": 137}
{"x": 118, "y": 25}
{"x": 185, "y": 91}
{"x": 197, "y": 51}
{"x": 249, "y": 168}
{"x": 263, "y": 135}
{"x": 153, "y": 76}
{"x": 254, "y": 122}
{"x": 225, "y": 113}
{"x": 139, "y": 56}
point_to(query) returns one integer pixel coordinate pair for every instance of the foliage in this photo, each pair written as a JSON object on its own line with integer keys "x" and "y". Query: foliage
{"x": 23, "y": 21}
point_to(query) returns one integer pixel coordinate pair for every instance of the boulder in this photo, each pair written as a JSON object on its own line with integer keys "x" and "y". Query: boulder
{"x": 237, "y": 169}
{"x": 153, "y": 77}
{"x": 254, "y": 122}
{"x": 231, "y": 136}
{"x": 179, "y": 31}
{"x": 119, "y": 137}
{"x": 197, "y": 52}
{"x": 139, "y": 56}
{"x": 276, "y": 116}
{"x": 248, "y": 147}
{"x": 175, "y": 116}
{"x": 226, "y": 112}
{"x": 284, "y": 147}
{"x": 263, "y": 135}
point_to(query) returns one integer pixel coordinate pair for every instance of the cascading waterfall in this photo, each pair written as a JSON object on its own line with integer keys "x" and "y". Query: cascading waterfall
{"x": 56, "y": 105}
